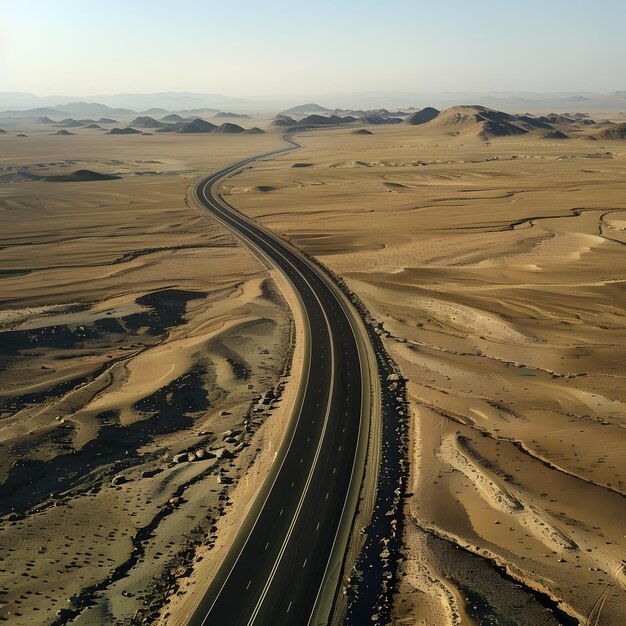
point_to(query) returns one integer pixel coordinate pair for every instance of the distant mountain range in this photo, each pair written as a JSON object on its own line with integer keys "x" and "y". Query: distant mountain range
{"x": 511, "y": 100}
{"x": 166, "y": 100}
{"x": 72, "y": 108}
{"x": 17, "y": 104}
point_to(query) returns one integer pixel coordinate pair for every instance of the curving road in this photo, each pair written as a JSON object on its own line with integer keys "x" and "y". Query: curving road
{"x": 284, "y": 565}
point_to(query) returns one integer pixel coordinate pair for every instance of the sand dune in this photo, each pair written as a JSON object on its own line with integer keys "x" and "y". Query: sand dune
{"x": 494, "y": 266}
{"x": 134, "y": 329}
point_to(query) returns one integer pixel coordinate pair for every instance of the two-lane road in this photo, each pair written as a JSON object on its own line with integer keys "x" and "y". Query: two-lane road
{"x": 283, "y": 566}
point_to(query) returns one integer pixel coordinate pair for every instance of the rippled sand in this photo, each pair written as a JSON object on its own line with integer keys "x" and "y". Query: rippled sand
{"x": 133, "y": 329}
{"x": 497, "y": 270}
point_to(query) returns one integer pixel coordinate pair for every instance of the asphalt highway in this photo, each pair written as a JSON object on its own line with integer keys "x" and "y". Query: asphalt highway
{"x": 281, "y": 561}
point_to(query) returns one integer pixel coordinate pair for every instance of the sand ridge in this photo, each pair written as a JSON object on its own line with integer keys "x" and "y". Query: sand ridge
{"x": 495, "y": 269}
{"x": 143, "y": 348}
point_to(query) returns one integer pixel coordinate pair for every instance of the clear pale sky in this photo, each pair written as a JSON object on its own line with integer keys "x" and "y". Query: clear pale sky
{"x": 273, "y": 47}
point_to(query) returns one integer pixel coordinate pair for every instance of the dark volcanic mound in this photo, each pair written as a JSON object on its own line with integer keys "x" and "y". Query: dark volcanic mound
{"x": 616, "y": 132}
{"x": 63, "y": 132}
{"x": 255, "y": 130}
{"x": 79, "y": 176}
{"x": 229, "y": 128}
{"x": 501, "y": 129}
{"x": 283, "y": 120}
{"x": 143, "y": 121}
{"x": 172, "y": 117}
{"x": 423, "y": 116}
{"x": 94, "y": 126}
{"x": 124, "y": 131}
{"x": 233, "y": 115}
{"x": 322, "y": 120}
{"x": 21, "y": 135}
{"x": 197, "y": 126}
{"x": 70, "y": 123}
{"x": 555, "y": 118}
{"x": 362, "y": 131}
{"x": 107, "y": 120}
{"x": 44, "y": 120}
{"x": 555, "y": 134}
{"x": 378, "y": 119}
{"x": 2, "y": 132}
{"x": 532, "y": 122}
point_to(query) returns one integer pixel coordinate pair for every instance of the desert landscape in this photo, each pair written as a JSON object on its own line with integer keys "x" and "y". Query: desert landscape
{"x": 137, "y": 335}
{"x": 147, "y": 353}
{"x": 312, "y": 314}
{"x": 494, "y": 261}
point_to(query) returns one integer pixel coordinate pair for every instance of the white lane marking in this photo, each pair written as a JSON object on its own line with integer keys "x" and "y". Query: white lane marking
{"x": 345, "y": 502}
{"x": 267, "y": 545}
{"x": 305, "y": 316}
{"x": 289, "y": 606}
{"x": 213, "y": 180}
{"x": 304, "y": 564}
{"x": 248, "y": 585}
{"x": 315, "y": 459}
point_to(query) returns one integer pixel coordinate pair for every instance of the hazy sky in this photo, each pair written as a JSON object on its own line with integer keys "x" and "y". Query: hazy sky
{"x": 267, "y": 48}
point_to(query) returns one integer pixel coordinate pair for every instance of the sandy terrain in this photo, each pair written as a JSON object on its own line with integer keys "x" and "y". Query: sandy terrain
{"x": 139, "y": 344}
{"x": 497, "y": 267}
